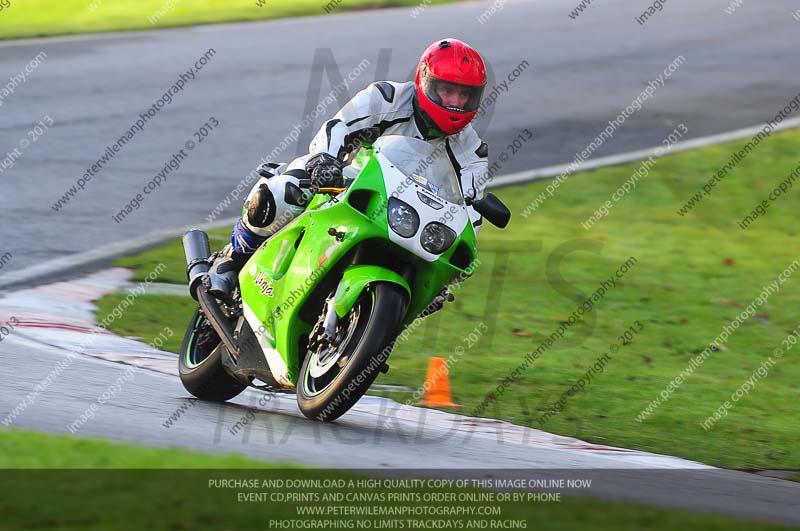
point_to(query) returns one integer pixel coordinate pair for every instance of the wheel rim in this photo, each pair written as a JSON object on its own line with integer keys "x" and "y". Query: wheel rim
{"x": 203, "y": 343}
{"x": 325, "y": 358}
{"x": 326, "y": 363}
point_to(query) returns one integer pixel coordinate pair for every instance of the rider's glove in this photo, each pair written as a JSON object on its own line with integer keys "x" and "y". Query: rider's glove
{"x": 325, "y": 171}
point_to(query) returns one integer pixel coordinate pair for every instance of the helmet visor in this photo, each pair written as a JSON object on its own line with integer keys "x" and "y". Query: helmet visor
{"x": 453, "y": 97}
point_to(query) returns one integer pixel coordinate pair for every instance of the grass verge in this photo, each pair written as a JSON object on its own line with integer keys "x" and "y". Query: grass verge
{"x": 37, "y": 18}
{"x": 86, "y": 484}
{"x": 693, "y": 275}
{"x": 32, "y": 450}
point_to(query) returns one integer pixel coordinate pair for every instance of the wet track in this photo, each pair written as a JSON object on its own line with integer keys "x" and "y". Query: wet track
{"x": 740, "y": 70}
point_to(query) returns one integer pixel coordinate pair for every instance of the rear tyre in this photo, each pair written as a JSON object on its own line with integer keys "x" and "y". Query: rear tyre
{"x": 333, "y": 379}
{"x": 200, "y": 363}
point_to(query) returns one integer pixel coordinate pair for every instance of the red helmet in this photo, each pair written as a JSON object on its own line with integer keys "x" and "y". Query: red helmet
{"x": 450, "y": 81}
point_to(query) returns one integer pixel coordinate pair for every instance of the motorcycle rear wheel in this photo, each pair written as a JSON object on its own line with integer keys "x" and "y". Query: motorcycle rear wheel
{"x": 200, "y": 363}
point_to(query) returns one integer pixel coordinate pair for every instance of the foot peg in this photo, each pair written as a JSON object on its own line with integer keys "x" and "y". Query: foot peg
{"x": 438, "y": 302}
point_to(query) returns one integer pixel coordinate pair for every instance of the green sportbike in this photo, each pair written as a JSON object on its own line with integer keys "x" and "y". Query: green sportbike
{"x": 320, "y": 303}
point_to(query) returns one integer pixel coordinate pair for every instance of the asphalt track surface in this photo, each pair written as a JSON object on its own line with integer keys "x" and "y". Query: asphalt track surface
{"x": 133, "y": 401}
{"x": 740, "y": 70}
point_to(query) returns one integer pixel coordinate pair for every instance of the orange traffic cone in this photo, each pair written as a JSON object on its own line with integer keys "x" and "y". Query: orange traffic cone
{"x": 437, "y": 385}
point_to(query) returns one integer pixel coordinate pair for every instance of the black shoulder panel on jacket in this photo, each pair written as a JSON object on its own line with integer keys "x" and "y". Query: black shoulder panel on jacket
{"x": 330, "y": 125}
{"x": 387, "y": 90}
{"x": 483, "y": 150}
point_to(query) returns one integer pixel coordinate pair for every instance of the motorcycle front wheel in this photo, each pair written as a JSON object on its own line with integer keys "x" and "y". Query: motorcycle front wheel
{"x": 332, "y": 379}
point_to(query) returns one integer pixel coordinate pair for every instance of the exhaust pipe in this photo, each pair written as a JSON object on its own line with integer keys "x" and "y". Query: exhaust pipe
{"x": 197, "y": 251}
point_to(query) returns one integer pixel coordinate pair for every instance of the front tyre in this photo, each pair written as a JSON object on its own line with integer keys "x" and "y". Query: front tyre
{"x": 333, "y": 378}
{"x": 200, "y": 363}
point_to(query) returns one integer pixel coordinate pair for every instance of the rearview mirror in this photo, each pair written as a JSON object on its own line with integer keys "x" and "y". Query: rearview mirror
{"x": 492, "y": 209}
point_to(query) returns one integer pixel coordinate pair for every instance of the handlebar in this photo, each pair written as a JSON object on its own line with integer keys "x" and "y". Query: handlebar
{"x": 306, "y": 184}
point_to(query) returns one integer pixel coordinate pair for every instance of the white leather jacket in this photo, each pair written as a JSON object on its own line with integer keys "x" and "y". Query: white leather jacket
{"x": 389, "y": 106}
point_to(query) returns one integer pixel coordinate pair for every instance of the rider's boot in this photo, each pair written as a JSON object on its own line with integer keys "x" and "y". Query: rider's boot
{"x": 224, "y": 273}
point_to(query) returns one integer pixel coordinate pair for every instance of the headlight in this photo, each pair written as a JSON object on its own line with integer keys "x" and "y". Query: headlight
{"x": 437, "y": 238}
{"x": 403, "y": 219}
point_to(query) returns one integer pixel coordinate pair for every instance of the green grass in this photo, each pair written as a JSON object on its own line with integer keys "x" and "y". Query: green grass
{"x": 103, "y": 485}
{"x": 171, "y": 256}
{"x": 149, "y": 317}
{"x": 28, "y": 450}
{"x": 694, "y": 275}
{"x": 34, "y": 18}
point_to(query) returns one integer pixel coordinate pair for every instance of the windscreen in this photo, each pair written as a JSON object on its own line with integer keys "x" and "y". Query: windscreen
{"x": 424, "y": 163}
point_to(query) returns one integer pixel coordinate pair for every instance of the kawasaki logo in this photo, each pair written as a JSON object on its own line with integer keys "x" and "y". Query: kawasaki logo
{"x": 264, "y": 283}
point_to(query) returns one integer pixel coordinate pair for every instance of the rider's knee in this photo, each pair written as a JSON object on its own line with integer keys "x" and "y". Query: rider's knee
{"x": 274, "y": 201}
{"x": 260, "y": 207}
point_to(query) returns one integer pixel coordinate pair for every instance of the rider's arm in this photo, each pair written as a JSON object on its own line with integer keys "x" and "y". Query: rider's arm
{"x": 472, "y": 155}
{"x": 375, "y": 106}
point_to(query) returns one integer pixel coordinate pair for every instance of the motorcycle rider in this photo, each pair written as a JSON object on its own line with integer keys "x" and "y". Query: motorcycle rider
{"x": 437, "y": 106}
